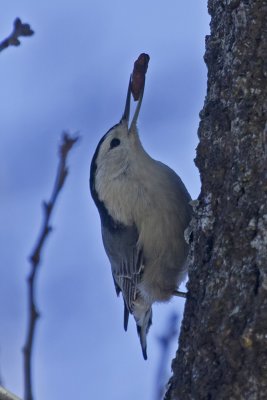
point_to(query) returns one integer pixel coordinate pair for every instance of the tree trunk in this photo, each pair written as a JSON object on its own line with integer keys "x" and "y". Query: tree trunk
{"x": 222, "y": 351}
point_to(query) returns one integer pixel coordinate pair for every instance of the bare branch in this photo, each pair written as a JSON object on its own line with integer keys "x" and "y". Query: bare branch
{"x": 6, "y": 395}
{"x": 19, "y": 30}
{"x": 35, "y": 258}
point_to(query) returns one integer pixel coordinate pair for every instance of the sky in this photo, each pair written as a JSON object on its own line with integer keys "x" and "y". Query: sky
{"x": 73, "y": 75}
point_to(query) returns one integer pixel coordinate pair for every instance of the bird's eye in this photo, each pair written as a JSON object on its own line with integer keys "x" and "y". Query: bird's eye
{"x": 114, "y": 143}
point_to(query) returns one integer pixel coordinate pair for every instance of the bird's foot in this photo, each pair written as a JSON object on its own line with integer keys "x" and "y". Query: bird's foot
{"x": 179, "y": 294}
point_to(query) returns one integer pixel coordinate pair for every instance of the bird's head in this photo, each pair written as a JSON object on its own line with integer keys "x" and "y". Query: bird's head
{"x": 120, "y": 146}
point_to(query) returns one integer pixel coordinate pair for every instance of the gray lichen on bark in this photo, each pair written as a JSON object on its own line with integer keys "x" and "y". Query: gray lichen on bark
{"x": 222, "y": 350}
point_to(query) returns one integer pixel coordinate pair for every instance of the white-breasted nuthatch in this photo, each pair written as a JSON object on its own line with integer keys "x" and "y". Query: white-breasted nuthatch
{"x": 144, "y": 211}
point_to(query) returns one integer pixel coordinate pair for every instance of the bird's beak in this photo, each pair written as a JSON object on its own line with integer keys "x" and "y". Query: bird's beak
{"x": 126, "y": 114}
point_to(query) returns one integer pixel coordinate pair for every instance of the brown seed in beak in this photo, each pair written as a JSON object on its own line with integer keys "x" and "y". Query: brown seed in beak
{"x": 138, "y": 75}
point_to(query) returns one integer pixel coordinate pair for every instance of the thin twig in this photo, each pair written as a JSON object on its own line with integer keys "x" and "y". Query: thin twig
{"x": 19, "y": 29}
{"x": 62, "y": 172}
{"x": 165, "y": 342}
{"x": 6, "y": 395}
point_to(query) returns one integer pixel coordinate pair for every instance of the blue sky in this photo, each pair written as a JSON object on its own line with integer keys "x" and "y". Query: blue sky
{"x": 73, "y": 74}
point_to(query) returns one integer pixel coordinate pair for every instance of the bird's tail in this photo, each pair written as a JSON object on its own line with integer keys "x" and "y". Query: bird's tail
{"x": 143, "y": 318}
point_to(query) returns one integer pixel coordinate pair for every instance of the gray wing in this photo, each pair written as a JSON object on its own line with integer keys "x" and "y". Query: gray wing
{"x": 126, "y": 263}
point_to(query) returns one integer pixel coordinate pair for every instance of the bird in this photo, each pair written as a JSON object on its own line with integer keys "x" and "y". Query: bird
{"x": 144, "y": 211}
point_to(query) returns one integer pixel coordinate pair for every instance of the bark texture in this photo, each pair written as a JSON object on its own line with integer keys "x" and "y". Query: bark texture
{"x": 222, "y": 350}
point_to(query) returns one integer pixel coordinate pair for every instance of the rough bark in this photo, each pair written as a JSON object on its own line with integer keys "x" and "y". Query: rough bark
{"x": 222, "y": 350}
